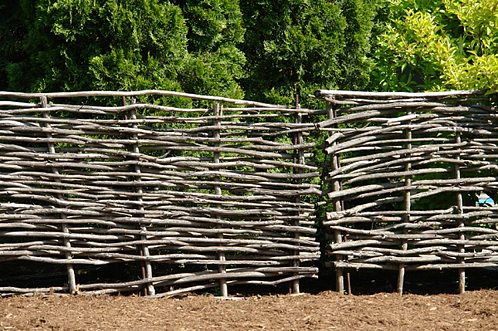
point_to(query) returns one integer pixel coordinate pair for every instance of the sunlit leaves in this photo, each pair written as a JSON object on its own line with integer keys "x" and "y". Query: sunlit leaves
{"x": 438, "y": 45}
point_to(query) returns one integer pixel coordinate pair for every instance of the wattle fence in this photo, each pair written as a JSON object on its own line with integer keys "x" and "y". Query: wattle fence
{"x": 214, "y": 192}
{"x": 405, "y": 177}
{"x": 224, "y": 194}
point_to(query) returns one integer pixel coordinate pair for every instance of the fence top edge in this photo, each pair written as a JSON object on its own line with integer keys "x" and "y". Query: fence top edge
{"x": 135, "y": 93}
{"x": 380, "y": 95}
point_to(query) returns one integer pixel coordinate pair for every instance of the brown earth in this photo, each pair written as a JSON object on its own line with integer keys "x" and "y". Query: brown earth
{"x": 327, "y": 310}
{"x": 430, "y": 304}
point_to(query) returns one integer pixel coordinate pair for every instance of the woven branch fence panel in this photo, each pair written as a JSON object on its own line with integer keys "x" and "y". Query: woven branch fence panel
{"x": 405, "y": 176}
{"x": 215, "y": 193}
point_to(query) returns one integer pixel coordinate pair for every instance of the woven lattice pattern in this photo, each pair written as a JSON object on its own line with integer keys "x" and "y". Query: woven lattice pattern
{"x": 219, "y": 194}
{"x": 216, "y": 191}
{"x": 412, "y": 181}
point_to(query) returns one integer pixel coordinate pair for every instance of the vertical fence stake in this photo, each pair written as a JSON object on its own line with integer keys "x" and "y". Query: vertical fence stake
{"x": 144, "y": 249}
{"x": 408, "y": 183}
{"x": 218, "y": 112}
{"x": 298, "y": 139}
{"x": 71, "y": 277}
{"x": 336, "y": 186}
{"x": 461, "y": 223}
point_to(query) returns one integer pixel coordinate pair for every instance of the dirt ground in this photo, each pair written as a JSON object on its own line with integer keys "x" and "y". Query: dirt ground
{"x": 430, "y": 303}
{"x": 327, "y": 310}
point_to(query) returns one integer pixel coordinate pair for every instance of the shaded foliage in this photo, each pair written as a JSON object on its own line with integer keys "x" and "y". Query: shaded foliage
{"x": 265, "y": 50}
{"x": 305, "y": 45}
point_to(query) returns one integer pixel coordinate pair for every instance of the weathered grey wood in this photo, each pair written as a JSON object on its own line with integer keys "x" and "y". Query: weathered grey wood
{"x": 336, "y": 187}
{"x": 397, "y": 95}
{"x": 144, "y": 249}
{"x": 70, "y": 268}
{"x": 400, "y": 139}
{"x": 132, "y": 94}
{"x": 191, "y": 188}
{"x": 138, "y": 184}
{"x": 461, "y": 272}
{"x": 407, "y": 203}
{"x": 298, "y": 141}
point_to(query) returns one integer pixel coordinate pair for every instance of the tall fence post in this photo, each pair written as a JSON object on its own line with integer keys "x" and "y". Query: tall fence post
{"x": 336, "y": 186}
{"x": 144, "y": 249}
{"x": 66, "y": 241}
{"x": 461, "y": 223}
{"x": 298, "y": 140}
{"x": 407, "y": 198}
{"x": 218, "y": 112}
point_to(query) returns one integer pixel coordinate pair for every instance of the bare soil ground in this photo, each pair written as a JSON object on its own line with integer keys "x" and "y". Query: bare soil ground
{"x": 477, "y": 310}
{"x": 430, "y": 304}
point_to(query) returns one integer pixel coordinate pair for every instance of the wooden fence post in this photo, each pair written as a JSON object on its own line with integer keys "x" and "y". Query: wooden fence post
{"x": 461, "y": 223}
{"x": 336, "y": 186}
{"x": 407, "y": 198}
{"x": 144, "y": 249}
{"x": 66, "y": 241}
{"x": 218, "y": 112}
{"x": 298, "y": 140}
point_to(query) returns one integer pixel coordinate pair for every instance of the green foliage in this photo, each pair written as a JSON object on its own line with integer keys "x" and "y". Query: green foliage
{"x": 74, "y": 45}
{"x": 12, "y": 29}
{"x": 212, "y": 23}
{"x": 305, "y": 45}
{"x": 438, "y": 45}
{"x": 70, "y": 45}
{"x": 215, "y": 33}
{"x": 266, "y": 49}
